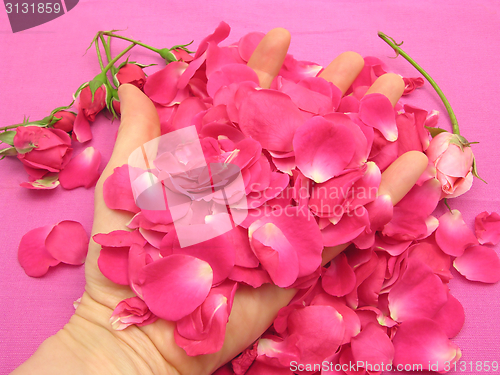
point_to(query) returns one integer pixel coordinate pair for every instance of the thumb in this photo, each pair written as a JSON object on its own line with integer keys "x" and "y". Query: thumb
{"x": 139, "y": 124}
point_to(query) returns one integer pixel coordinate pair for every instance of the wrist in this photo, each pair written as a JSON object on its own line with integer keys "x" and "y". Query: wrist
{"x": 88, "y": 346}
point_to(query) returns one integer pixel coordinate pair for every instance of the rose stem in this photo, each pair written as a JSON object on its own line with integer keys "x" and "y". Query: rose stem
{"x": 399, "y": 51}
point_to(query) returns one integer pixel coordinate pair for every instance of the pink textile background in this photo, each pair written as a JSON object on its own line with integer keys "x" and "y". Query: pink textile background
{"x": 457, "y": 42}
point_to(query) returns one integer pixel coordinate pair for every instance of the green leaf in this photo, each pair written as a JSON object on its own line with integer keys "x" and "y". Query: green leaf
{"x": 434, "y": 131}
{"x": 97, "y": 82}
{"x": 10, "y": 151}
{"x": 82, "y": 86}
{"x": 474, "y": 171}
{"x": 8, "y": 137}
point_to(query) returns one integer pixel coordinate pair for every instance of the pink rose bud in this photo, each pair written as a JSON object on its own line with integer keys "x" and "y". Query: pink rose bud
{"x": 133, "y": 74}
{"x": 90, "y": 108}
{"x": 42, "y": 150}
{"x": 66, "y": 122}
{"x": 453, "y": 159}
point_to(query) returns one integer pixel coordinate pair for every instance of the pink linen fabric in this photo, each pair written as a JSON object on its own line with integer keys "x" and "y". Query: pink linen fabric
{"x": 457, "y": 42}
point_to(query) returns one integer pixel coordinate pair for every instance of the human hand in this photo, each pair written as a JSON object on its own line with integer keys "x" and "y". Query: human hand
{"x": 88, "y": 340}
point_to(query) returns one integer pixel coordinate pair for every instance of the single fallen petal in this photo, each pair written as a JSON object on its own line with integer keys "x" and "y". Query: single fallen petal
{"x": 82, "y": 170}
{"x": 422, "y": 342}
{"x": 176, "y": 285}
{"x": 48, "y": 182}
{"x": 72, "y": 251}
{"x": 228, "y": 74}
{"x": 453, "y": 236}
{"x": 219, "y": 34}
{"x": 131, "y": 311}
{"x": 488, "y": 228}
{"x": 418, "y": 294}
{"x": 81, "y": 128}
{"x": 479, "y": 263}
{"x": 32, "y": 253}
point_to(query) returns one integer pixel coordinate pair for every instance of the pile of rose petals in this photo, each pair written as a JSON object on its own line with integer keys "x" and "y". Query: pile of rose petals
{"x": 309, "y": 163}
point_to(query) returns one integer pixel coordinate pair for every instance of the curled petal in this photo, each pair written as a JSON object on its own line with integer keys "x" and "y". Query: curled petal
{"x": 131, "y": 311}
{"x": 479, "y": 263}
{"x": 488, "y": 228}
{"x": 161, "y": 87}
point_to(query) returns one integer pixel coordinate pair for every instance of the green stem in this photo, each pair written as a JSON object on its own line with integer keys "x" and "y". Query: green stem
{"x": 399, "y": 51}
{"x": 106, "y": 48}
{"x": 98, "y": 50}
{"x": 117, "y": 57}
{"x": 130, "y": 40}
{"x": 164, "y": 52}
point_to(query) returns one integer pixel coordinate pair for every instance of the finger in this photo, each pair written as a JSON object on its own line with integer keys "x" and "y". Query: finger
{"x": 390, "y": 85}
{"x": 402, "y": 174}
{"x": 343, "y": 70}
{"x": 139, "y": 124}
{"x": 269, "y": 55}
{"x": 397, "y": 180}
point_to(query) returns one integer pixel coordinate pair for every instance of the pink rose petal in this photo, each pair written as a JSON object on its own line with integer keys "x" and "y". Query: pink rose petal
{"x": 418, "y": 294}
{"x": 176, "y": 285}
{"x": 32, "y": 253}
{"x": 376, "y": 110}
{"x": 451, "y": 317}
{"x": 317, "y": 332}
{"x": 82, "y": 170}
{"x": 203, "y": 331}
{"x": 271, "y": 118}
{"x": 372, "y": 347}
{"x": 453, "y": 236}
{"x": 117, "y": 191}
{"x": 161, "y": 86}
{"x": 479, "y": 263}
{"x": 131, "y": 311}
{"x": 339, "y": 278}
{"x": 421, "y": 341}
{"x": 113, "y": 262}
{"x": 322, "y": 148}
{"x": 487, "y": 228}
{"x": 69, "y": 252}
